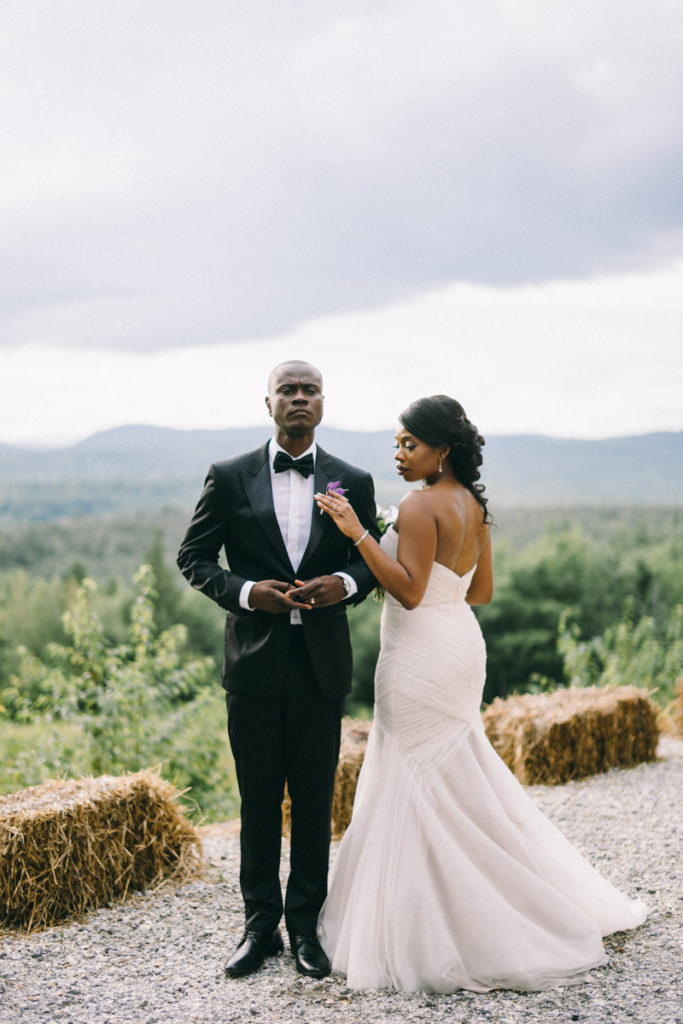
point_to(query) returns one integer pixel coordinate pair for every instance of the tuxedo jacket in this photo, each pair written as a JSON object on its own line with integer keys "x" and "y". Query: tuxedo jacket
{"x": 236, "y": 513}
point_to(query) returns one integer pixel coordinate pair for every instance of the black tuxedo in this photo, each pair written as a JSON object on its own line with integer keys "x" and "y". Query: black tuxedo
{"x": 285, "y": 682}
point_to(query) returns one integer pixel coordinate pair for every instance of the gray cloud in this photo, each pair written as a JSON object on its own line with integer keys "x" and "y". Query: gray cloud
{"x": 195, "y": 173}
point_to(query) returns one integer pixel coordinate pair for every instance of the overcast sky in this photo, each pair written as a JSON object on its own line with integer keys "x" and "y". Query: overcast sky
{"x": 482, "y": 198}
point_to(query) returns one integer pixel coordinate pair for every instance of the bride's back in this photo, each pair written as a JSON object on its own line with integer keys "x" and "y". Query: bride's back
{"x": 461, "y": 531}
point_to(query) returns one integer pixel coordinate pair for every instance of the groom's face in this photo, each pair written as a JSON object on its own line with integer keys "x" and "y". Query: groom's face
{"x": 295, "y": 398}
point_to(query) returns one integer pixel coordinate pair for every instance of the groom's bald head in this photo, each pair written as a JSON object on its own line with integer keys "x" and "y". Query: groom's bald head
{"x": 296, "y": 367}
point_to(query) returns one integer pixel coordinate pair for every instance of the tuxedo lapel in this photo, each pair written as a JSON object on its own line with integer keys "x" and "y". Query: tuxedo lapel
{"x": 259, "y": 494}
{"x": 324, "y": 474}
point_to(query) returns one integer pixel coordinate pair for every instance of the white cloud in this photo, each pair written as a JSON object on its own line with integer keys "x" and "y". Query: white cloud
{"x": 192, "y": 173}
{"x": 568, "y": 358}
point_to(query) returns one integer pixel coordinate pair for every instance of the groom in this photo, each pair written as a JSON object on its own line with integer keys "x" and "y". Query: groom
{"x": 287, "y": 660}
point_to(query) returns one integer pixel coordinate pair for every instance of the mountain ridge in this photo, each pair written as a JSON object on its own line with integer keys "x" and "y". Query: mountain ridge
{"x": 145, "y": 467}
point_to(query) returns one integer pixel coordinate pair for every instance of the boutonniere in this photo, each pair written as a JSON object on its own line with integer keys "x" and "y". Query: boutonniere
{"x": 335, "y": 487}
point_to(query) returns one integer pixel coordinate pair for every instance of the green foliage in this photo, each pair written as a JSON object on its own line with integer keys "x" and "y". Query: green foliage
{"x": 593, "y": 562}
{"x": 564, "y": 570}
{"x": 112, "y": 546}
{"x": 32, "y": 608}
{"x": 175, "y": 602}
{"x": 33, "y": 751}
{"x": 364, "y": 628}
{"x": 51, "y": 498}
{"x": 30, "y": 616}
{"x": 109, "y": 547}
{"x": 127, "y": 704}
{"x": 167, "y": 597}
{"x": 630, "y": 653}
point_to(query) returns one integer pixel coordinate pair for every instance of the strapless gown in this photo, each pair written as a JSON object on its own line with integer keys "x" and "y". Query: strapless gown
{"x": 449, "y": 876}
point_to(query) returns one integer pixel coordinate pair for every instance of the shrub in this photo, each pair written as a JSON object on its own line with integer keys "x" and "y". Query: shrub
{"x": 630, "y": 653}
{"x": 108, "y": 707}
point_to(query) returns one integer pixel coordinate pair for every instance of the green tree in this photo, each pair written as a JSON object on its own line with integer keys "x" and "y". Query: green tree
{"x": 629, "y": 653}
{"x": 167, "y": 598}
{"x": 30, "y": 617}
{"x": 176, "y": 602}
{"x": 561, "y": 571}
{"x": 122, "y": 703}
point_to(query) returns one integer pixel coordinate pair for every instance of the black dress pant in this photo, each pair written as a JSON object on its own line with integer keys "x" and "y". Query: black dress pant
{"x": 291, "y": 736}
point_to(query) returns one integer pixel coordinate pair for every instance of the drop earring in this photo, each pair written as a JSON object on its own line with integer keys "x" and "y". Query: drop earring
{"x": 441, "y": 463}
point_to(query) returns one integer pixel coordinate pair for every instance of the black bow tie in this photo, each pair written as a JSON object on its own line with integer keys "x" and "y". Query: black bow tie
{"x": 283, "y": 461}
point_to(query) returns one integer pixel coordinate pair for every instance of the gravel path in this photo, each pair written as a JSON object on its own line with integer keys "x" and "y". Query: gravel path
{"x": 158, "y": 957}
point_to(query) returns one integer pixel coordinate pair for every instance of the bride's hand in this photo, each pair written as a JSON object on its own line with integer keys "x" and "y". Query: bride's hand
{"x": 341, "y": 512}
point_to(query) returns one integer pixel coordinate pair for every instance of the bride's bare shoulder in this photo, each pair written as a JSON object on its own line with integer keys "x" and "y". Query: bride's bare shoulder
{"x": 416, "y": 495}
{"x": 415, "y": 506}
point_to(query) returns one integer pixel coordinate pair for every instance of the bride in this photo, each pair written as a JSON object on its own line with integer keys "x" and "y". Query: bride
{"x": 449, "y": 876}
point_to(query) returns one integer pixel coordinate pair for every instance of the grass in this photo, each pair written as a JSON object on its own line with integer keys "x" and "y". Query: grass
{"x": 199, "y": 761}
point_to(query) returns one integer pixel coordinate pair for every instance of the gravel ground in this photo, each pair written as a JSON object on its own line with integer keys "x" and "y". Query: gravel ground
{"x": 158, "y": 957}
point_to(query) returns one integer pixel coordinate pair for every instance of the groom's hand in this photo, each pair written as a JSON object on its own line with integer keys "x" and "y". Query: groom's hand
{"x": 272, "y": 596}
{"x": 319, "y": 592}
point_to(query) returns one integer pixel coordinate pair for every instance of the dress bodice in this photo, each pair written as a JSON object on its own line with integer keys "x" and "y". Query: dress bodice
{"x": 443, "y": 587}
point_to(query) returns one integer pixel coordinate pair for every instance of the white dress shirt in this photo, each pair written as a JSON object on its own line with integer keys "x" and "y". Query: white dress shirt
{"x": 293, "y": 501}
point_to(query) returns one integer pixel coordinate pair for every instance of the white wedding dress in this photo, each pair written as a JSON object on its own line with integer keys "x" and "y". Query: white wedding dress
{"x": 449, "y": 876}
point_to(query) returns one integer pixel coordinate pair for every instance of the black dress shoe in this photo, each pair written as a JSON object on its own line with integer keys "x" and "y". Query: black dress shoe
{"x": 253, "y": 949}
{"x": 310, "y": 956}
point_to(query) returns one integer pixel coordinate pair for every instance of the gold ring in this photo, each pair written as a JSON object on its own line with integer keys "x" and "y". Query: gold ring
{"x": 312, "y": 600}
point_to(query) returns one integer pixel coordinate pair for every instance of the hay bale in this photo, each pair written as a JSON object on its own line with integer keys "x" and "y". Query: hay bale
{"x": 569, "y": 734}
{"x": 351, "y": 753}
{"x": 671, "y": 715}
{"x": 677, "y": 716}
{"x": 70, "y": 846}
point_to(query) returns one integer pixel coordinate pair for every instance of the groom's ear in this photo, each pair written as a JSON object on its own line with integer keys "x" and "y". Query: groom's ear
{"x": 270, "y": 411}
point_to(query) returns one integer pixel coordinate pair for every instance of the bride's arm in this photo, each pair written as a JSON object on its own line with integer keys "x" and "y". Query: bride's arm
{"x": 405, "y": 577}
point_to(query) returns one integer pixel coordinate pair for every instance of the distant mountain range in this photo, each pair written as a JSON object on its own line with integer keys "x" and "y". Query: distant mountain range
{"x": 143, "y": 467}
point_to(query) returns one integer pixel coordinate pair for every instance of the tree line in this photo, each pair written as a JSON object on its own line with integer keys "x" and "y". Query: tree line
{"x": 101, "y": 673}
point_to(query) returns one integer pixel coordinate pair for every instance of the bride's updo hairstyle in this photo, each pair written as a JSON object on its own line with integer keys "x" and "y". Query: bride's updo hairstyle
{"x": 440, "y": 421}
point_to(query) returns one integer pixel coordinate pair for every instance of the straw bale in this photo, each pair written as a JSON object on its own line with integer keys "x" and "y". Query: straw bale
{"x": 351, "y": 753}
{"x": 70, "y": 846}
{"x": 569, "y": 734}
{"x": 677, "y": 716}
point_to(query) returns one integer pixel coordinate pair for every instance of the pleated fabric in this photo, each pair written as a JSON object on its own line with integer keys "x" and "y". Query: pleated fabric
{"x": 449, "y": 876}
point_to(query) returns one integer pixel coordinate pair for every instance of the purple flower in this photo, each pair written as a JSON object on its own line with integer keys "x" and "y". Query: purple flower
{"x": 335, "y": 487}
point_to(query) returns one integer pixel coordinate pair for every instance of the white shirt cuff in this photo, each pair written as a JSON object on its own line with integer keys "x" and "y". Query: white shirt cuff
{"x": 353, "y": 588}
{"x": 244, "y": 595}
